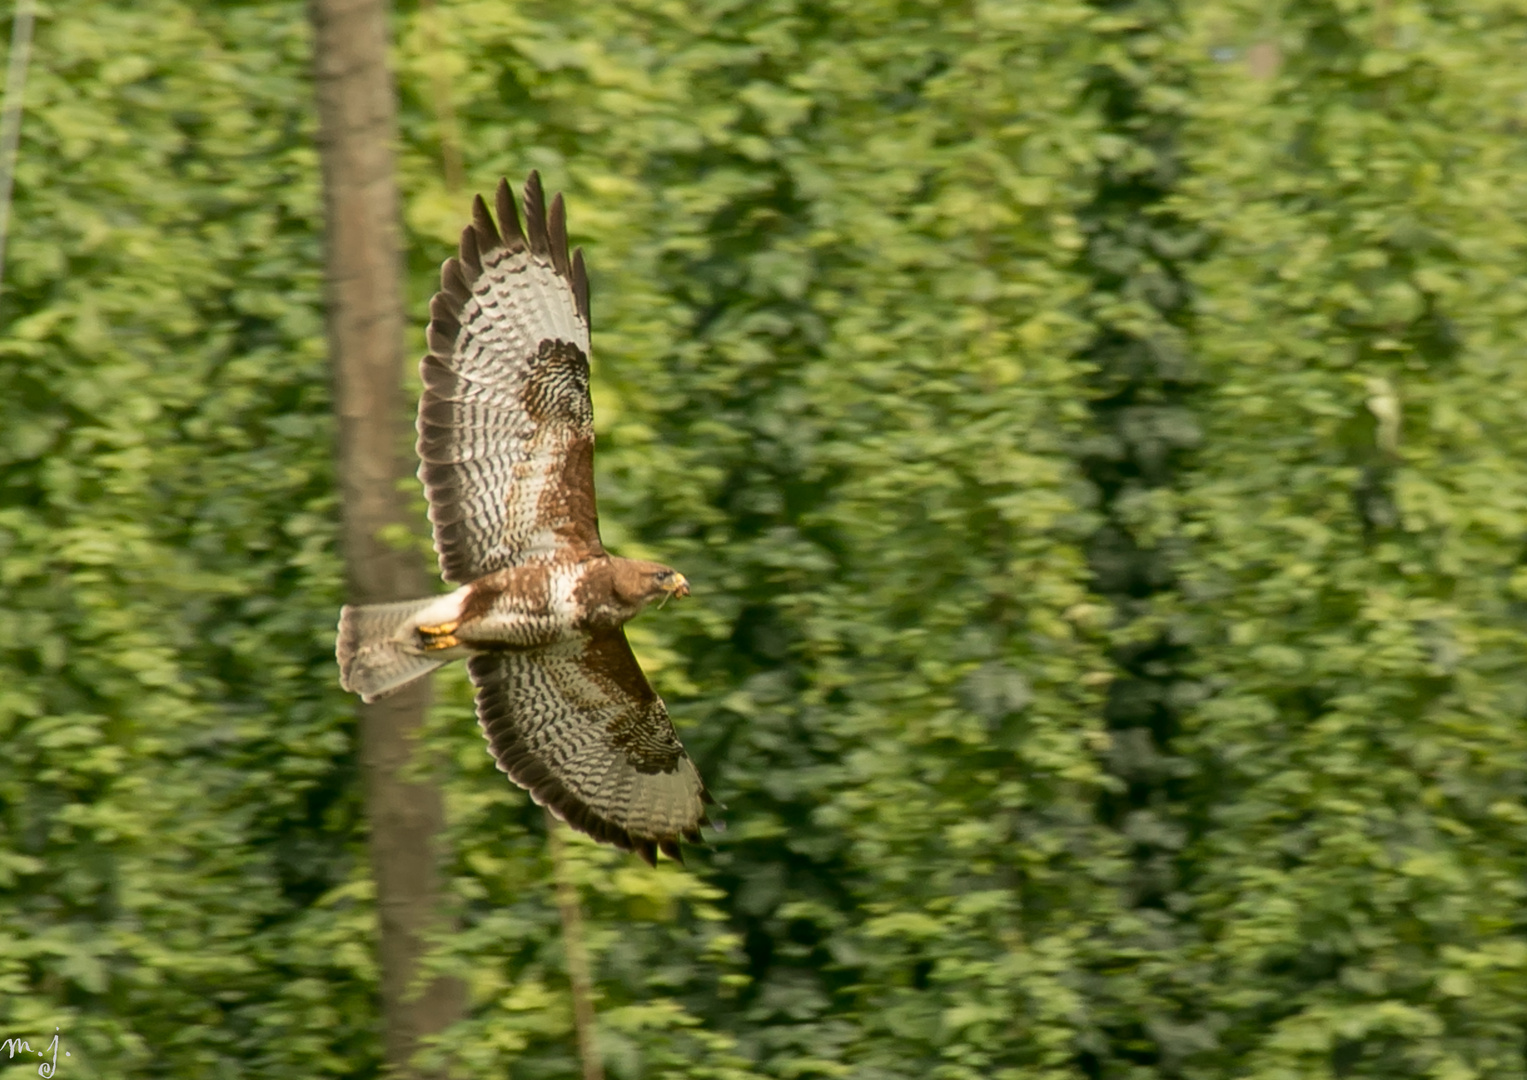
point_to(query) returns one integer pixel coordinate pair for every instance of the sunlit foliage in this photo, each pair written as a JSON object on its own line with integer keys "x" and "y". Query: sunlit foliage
{"x": 1097, "y": 438}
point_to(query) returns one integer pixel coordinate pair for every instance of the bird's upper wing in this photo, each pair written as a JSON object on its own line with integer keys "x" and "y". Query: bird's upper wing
{"x": 506, "y": 434}
{"x": 578, "y": 726}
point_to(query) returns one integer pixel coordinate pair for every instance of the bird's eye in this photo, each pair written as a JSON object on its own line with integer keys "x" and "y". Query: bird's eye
{"x": 665, "y": 575}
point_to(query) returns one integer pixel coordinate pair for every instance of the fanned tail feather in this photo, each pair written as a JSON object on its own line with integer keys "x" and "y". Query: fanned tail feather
{"x": 375, "y": 658}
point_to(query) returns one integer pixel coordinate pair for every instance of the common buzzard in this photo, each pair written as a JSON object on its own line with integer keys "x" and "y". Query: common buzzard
{"x": 506, "y": 450}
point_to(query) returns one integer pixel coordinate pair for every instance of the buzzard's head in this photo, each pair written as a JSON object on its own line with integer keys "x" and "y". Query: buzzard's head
{"x": 641, "y": 583}
{"x": 666, "y": 583}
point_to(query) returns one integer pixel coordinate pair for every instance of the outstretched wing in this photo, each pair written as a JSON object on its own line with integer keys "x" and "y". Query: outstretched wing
{"x": 506, "y": 434}
{"x": 579, "y": 727}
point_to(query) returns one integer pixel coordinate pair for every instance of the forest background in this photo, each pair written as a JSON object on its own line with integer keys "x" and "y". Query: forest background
{"x": 1097, "y": 437}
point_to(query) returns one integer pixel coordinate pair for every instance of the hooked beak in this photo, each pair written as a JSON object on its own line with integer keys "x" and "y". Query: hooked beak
{"x": 677, "y": 587}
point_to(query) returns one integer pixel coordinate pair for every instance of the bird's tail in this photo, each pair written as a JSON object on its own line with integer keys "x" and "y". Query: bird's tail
{"x": 377, "y": 650}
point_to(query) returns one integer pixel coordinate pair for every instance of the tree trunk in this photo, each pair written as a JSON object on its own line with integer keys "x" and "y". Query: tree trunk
{"x": 357, "y": 126}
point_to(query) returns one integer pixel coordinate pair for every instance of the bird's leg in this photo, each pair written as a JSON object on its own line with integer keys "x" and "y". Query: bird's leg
{"x": 442, "y": 636}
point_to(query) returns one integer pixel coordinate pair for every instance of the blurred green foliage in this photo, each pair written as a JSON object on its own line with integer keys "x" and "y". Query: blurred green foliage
{"x": 1097, "y": 436}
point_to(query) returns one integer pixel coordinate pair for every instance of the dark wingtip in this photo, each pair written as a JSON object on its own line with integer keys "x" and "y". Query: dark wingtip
{"x": 671, "y": 849}
{"x": 556, "y": 228}
{"x": 581, "y": 287}
{"x": 482, "y": 223}
{"x": 509, "y": 217}
{"x": 453, "y": 282}
{"x": 647, "y": 850}
{"x": 444, "y": 324}
{"x": 535, "y": 216}
{"x": 471, "y": 258}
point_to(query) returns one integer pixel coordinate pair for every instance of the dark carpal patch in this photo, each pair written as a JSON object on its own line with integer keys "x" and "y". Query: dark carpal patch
{"x": 642, "y": 738}
{"x": 642, "y": 732}
{"x": 558, "y": 390}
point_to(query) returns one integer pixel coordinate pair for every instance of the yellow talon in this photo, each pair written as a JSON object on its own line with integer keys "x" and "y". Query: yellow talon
{"x": 439, "y": 637}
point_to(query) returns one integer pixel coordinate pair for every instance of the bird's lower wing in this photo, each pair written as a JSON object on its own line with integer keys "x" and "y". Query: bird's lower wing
{"x": 578, "y": 726}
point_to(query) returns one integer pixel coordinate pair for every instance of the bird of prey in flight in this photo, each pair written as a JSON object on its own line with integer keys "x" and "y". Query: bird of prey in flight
{"x": 506, "y": 451}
